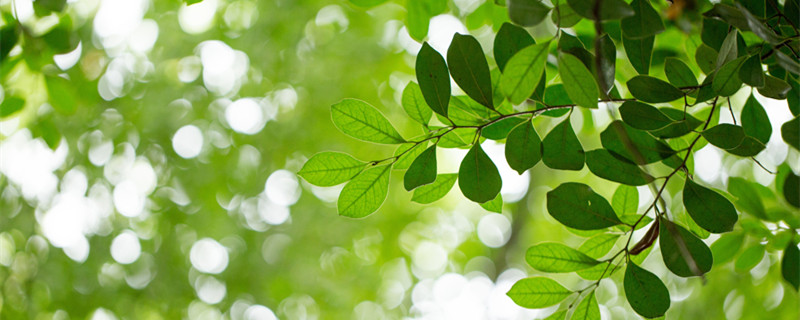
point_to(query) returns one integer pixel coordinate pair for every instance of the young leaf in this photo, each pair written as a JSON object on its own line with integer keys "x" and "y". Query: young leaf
{"x": 653, "y": 90}
{"x": 708, "y": 209}
{"x": 578, "y": 81}
{"x": 577, "y": 206}
{"x": 604, "y": 165}
{"x": 755, "y": 121}
{"x": 678, "y": 73}
{"x": 537, "y": 292}
{"x": 726, "y": 81}
{"x": 509, "y": 40}
{"x": 790, "y": 265}
{"x": 495, "y": 205}
{"x": 599, "y": 245}
{"x": 414, "y": 104}
{"x": 725, "y": 135}
{"x": 639, "y": 52}
{"x": 365, "y": 193}
{"x": 422, "y": 171}
{"x": 327, "y": 169}
{"x": 726, "y": 247}
{"x": 527, "y": 12}
{"x": 751, "y": 73}
{"x": 643, "y": 116}
{"x": 561, "y": 148}
{"x": 556, "y": 257}
{"x": 676, "y": 241}
{"x": 362, "y": 121}
{"x": 644, "y": 23}
{"x": 436, "y": 190}
{"x": 523, "y": 72}
{"x": 433, "y": 78}
{"x": 523, "y": 147}
{"x": 588, "y": 309}
{"x": 646, "y": 293}
{"x": 625, "y": 200}
{"x": 609, "y": 9}
{"x": 469, "y": 69}
{"x": 478, "y": 177}
{"x": 749, "y": 258}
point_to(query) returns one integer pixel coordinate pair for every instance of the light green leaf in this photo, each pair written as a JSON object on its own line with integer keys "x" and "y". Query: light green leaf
{"x": 672, "y": 238}
{"x": 749, "y": 258}
{"x": 599, "y": 245}
{"x": 523, "y": 72}
{"x": 646, "y": 293}
{"x": 362, "y": 121}
{"x": 495, "y": 205}
{"x": 726, "y": 247}
{"x": 326, "y": 169}
{"x": 708, "y": 209}
{"x": 365, "y": 193}
{"x": 643, "y": 116}
{"x": 469, "y": 69}
{"x": 563, "y": 16}
{"x": 436, "y": 190}
{"x": 478, "y": 177}
{"x": 537, "y": 292}
{"x": 625, "y": 200}
{"x": 578, "y": 81}
{"x": 414, "y": 104}
{"x": 10, "y": 105}
{"x": 523, "y": 147}
{"x": 62, "y": 94}
{"x": 588, "y": 309}
{"x": 604, "y": 165}
{"x": 556, "y": 257}
{"x": 433, "y": 79}
{"x": 653, "y": 90}
{"x": 417, "y": 19}
{"x": 577, "y": 206}
{"x": 644, "y": 23}
{"x": 422, "y": 171}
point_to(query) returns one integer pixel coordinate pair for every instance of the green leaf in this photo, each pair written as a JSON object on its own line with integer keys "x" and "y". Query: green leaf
{"x": 646, "y": 293}
{"x": 558, "y": 315}
{"x": 556, "y": 257}
{"x": 774, "y": 88}
{"x": 360, "y": 120}
{"x": 588, "y": 309}
{"x": 527, "y": 12}
{"x": 598, "y": 271}
{"x": 787, "y": 62}
{"x": 495, "y": 205}
{"x": 452, "y": 140}
{"x": 523, "y": 72}
{"x": 478, "y": 177}
{"x": 367, "y": 3}
{"x": 62, "y": 94}
{"x": 414, "y": 104}
{"x": 708, "y": 209}
{"x": 643, "y": 116}
{"x": 604, "y": 165}
{"x": 706, "y": 58}
{"x": 683, "y": 124}
{"x": 678, "y": 73}
{"x": 509, "y": 40}
{"x": 46, "y": 129}
{"x": 751, "y": 73}
{"x": 577, "y": 206}
{"x": 599, "y": 245}
{"x": 790, "y": 131}
{"x": 9, "y": 34}
{"x": 726, "y": 247}
{"x": 639, "y": 52}
{"x": 608, "y": 64}
{"x": 561, "y": 148}
{"x": 609, "y": 9}
{"x": 407, "y": 153}
{"x": 644, "y": 23}
{"x": 625, "y": 200}
{"x": 749, "y": 258}
{"x": 673, "y": 240}
{"x": 436, "y": 190}
{"x": 790, "y": 265}
{"x": 755, "y": 121}
{"x": 653, "y": 90}
{"x": 365, "y": 193}
{"x": 327, "y": 169}
{"x": 726, "y": 81}
{"x": 433, "y": 78}
{"x": 422, "y": 171}
{"x": 725, "y": 136}
{"x": 469, "y": 69}
{"x": 500, "y": 129}
{"x": 747, "y": 196}
{"x": 729, "y": 50}
{"x": 635, "y": 145}
{"x": 417, "y": 19}
{"x": 523, "y": 147}
{"x": 10, "y": 105}
{"x": 791, "y": 189}
{"x": 563, "y": 16}
{"x": 537, "y": 292}
{"x": 578, "y": 81}
{"x": 758, "y": 27}
{"x": 749, "y": 147}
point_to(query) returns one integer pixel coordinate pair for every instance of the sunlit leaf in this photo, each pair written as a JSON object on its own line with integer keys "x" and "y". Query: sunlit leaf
{"x": 494, "y": 205}
{"x": 362, "y": 121}
{"x": 599, "y": 245}
{"x": 436, "y": 190}
{"x": 523, "y": 72}
{"x": 588, "y": 309}
{"x": 726, "y": 247}
{"x": 556, "y": 257}
{"x": 414, "y": 104}
{"x": 625, "y": 200}
{"x": 538, "y": 292}
{"x": 422, "y": 171}
{"x": 365, "y": 193}
{"x": 509, "y": 40}
{"x": 330, "y": 168}
{"x": 749, "y": 258}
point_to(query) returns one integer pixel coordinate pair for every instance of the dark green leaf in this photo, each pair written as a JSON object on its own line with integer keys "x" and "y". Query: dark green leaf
{"x": 588, "y": 309}
{"x": 495, "y": 205}
{"x": 577, "y": 206}
{"x": 563, "y": 16}
{"x": 509, "y": 40}
{"x": 787, "y": 62}
{"x": 791, "y": 189}
{"x": 10, "y": 105}
{"x": 708, "y": 209}
{"x": 604, "y": 165}
{"x": 683, "y": 253}
{"x": 523, "y": 72}
{"x": 726, "y": 81}
{"x": 725, "y": 135}
{"x": 774, "y": 88}
{"x": 527, "y": 12}
{"x": 556, "y": 95}
{"x": 643, "y": 116}
{"x": 365, "y": 193}
{"x": 433, "y": 78}
{"x": 422, "y": 171}
{"x": 469, "y": 69}
{"x": 625, "y": 200}
{"x": 644, "y": 23}
{"x": 500, "y": 129}
{"x": 578, "y": 81}
{"x": 609, "y": 9}
{"x": 635, "y": 145}
{"x": 755, "y": 121}
{"x": 538, "y": 292}
{"x": 523, "y": 147}
{"x": 678, "y": 73}
{"x": 749, "y": 258}
{"x": 556, "y": 257}
{"x": 790, "y": 265}
{"x": 330, "y": 168}
{"x": 414, "y": 104}
{"x": 478, "y": 177}
{"x": 749, "y": 147}
{"x": 684, "y": 123}
{"x": 639, "y": 52}
{"x": 362, "y": 121}
{"x": 62, "y": 94}
{"x": 561, "y": 148}
{"x": 729, "y": 50}
{"x": 726, "y": 247}
{"x": 407, "y": 153}
{"x": 758, "y": 27}
{"x": 436, "y": 190}
{"x": 751, "y": 73}
{"x": 747, "y": 197}
{"x": 653, "y": 90}
{"x": 706, "y": 58}
{"x": 608, "y": 64}
{"x": 730, "y": 15}
{"x": 646, "y": 293}
{"x": 9, "y": 34}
